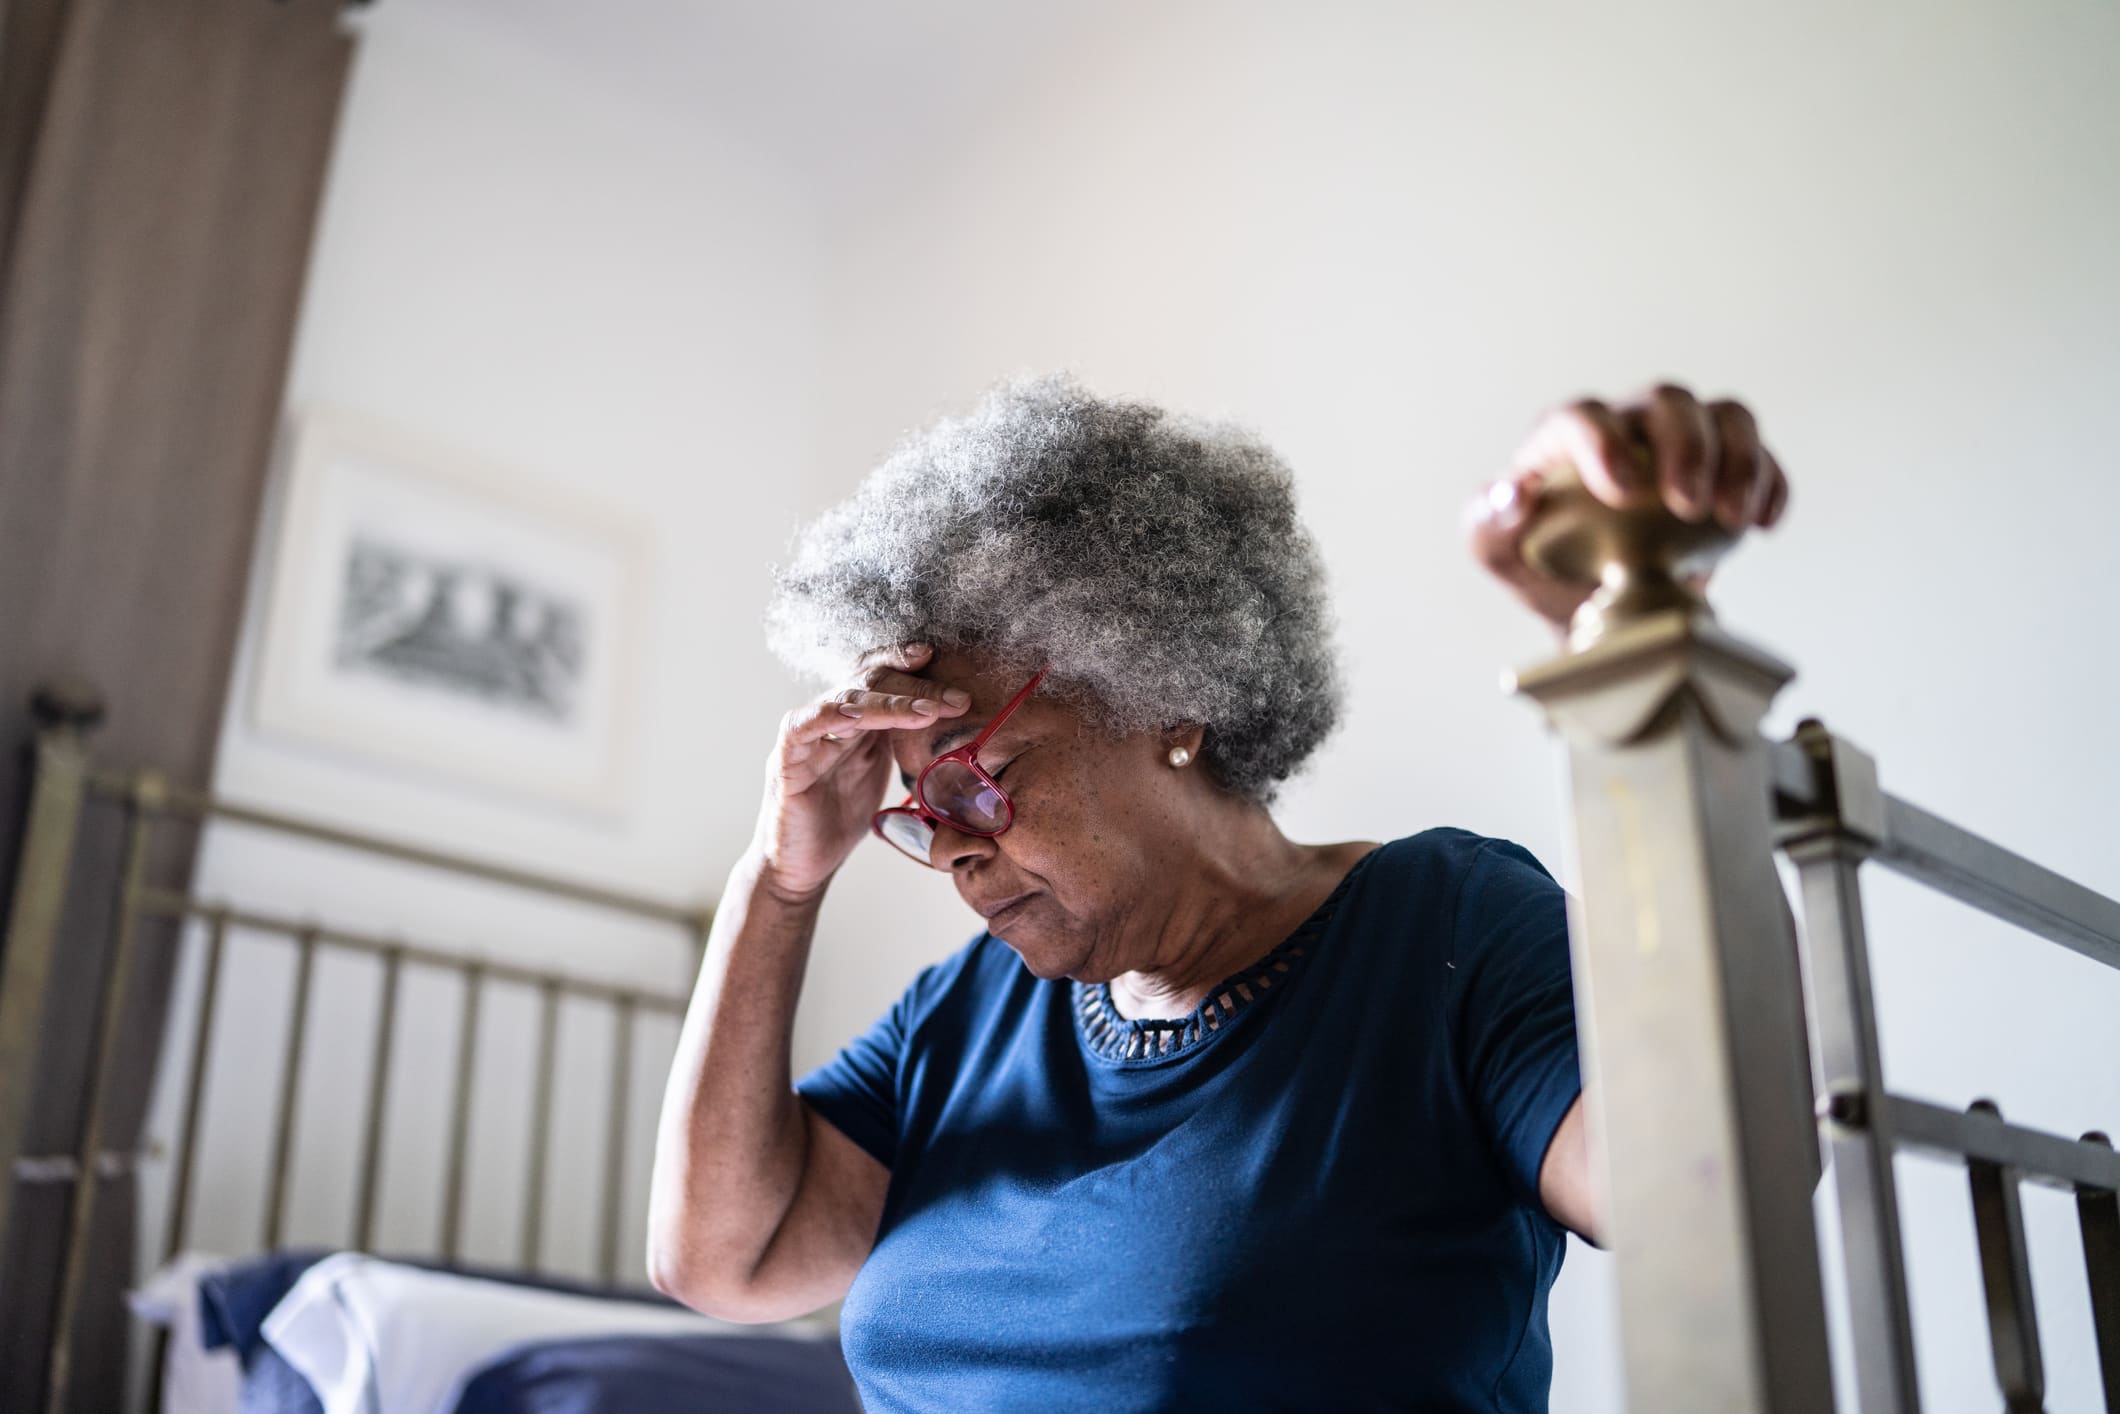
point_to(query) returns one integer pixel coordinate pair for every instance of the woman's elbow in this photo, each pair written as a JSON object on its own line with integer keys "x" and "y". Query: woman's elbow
{"x": 711, "y": 1293}
{"x": 668, "y": 1272}
{"x": 718, "y": 1285}
{"x": 689, "y": 1282}
{"x": 677, "y": 1265}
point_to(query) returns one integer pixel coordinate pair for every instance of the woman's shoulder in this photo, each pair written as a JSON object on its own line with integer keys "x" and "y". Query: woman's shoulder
{"x": 1449, "y": 852}
{"x": 1441, "y": 873}
{"x": 1465, "y": 919}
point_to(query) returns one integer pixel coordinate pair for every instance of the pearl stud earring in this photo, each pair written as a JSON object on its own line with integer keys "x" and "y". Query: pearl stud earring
{"x": 1179, "y": 756}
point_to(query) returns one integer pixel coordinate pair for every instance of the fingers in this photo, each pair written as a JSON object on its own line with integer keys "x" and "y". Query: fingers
{"x": 893, "y": 671}
{"x": 1740, "y": 478}
{"x": 1699, "y": 459}
{"x": 863, "y": 709}
{"x": 1605, "y": 450}
{"x": 1777, "y": 502}
{"x": 1685, "y": 443}
{"x": 1494, "y": 529}
{"x": 825, "y": 751}
{"x": 1494, "y": 522}
{"x": 888, "y": 697}
{"x": 904, "y": 657}
{"x": 854, "y": 711}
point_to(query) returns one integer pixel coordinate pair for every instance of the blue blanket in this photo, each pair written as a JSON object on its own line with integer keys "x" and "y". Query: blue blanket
{"x": 647, "y": 1374}
{"x": 664, "y": 1374}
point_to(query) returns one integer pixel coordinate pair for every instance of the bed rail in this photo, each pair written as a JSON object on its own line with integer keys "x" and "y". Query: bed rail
{"x": 66, "y": 785}
{"x": 1698, "y": 1044}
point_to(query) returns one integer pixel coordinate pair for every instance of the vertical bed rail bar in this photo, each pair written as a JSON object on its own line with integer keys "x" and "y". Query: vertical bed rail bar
{"x": 460, "y": 1112}
{"x": 614, "y": 1194}
{"x": 290, "y": 1087}
{"x": 177, "y": 1226}
{"x": 2006, "y": 1275}
{"x": 146, "y": 795}
{"x": 540, "y": 1128}
{"x": 2098, "y": 1213}
{"x": 378, "y": 1101}
{"x": 1698, "y": 1074}
{"x": 59, "y": 781}
{"x": 1827, "y": 848}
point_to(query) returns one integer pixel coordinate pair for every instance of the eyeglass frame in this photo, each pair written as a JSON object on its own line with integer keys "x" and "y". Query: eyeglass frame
{"x": 916, "y": 802}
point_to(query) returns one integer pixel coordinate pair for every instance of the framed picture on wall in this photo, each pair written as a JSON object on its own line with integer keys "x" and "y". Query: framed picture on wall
{"x": 454, "y": 619}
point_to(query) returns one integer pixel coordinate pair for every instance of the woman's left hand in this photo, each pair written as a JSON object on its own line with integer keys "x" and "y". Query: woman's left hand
{"x": 1700, "y": 459}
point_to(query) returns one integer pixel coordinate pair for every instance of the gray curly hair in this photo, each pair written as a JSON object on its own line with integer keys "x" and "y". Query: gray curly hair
{"x": 1155, "y": 561}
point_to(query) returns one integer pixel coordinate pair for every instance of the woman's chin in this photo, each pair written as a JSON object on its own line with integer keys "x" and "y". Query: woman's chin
{"x": 1042, "y": 958}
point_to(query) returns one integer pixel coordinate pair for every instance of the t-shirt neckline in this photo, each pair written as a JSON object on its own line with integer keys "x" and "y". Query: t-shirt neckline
{"x": 1135, "y": 1041}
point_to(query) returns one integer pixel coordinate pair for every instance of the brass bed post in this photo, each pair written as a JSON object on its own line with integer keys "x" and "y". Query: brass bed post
{"x": 65, "y": 714}
{"x": 1698, "y": 1076}
{"x": 146, "y": 797}
{"x": 1828, "y": 841}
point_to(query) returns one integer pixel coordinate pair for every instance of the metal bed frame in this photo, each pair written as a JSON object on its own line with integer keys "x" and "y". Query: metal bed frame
{"x": 1693, "y": 1007}
{"x": 67, "y": 783}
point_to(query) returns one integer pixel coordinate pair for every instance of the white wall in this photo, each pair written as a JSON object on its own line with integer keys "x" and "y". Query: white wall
{"x": 557, "y": 275}
{"x": 1387, "y": 235}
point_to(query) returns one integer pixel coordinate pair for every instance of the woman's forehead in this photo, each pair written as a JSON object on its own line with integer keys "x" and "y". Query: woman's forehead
{"x": 991, "y": 686}
{"x": 977, "y": 673}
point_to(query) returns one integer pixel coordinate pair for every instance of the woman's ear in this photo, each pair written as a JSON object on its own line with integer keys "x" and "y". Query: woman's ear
{"x": 1181, "y": 745}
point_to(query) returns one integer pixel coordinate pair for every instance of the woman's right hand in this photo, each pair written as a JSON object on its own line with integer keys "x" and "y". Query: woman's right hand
{"x": 829, "y": 769}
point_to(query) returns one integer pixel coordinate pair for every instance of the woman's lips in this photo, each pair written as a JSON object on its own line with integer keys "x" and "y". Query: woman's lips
{"x": 1010, "y": 908}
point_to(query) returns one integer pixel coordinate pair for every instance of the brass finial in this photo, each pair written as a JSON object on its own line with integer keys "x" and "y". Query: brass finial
{"x": 1637, "y": 556}
{"x": 67, "y": 701}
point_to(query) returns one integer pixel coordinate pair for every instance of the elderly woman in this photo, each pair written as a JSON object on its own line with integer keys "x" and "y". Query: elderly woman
{"x": 1203, "y": 1116}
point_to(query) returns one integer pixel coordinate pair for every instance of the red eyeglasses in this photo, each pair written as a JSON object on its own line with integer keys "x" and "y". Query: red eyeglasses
{"x": 954, "y": 790}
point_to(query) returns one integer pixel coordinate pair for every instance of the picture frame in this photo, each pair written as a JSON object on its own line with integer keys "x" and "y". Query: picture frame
{"x": 451, "y": 618}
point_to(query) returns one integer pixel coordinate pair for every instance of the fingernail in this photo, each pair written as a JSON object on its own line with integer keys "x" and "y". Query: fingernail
{"x": 847, "y": 709}
{"x": 913, "y": 648}
{"x": 956, "y": 696}
{"x": 923, "y": 706}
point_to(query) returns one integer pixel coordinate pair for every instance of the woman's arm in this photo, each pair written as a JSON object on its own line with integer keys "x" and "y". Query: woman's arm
{"x": 759, "y": 1209}
{"x": 1564, "y": 1179}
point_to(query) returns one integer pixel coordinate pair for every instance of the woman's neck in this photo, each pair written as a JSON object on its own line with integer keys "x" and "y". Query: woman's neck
{"x": 1235, "y": 906}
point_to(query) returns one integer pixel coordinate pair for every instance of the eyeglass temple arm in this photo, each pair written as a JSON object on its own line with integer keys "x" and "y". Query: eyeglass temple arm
{"x": 1003, "y": 715}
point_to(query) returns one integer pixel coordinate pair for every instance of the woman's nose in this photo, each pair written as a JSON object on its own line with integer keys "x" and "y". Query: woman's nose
{"x": 952, "y": 847}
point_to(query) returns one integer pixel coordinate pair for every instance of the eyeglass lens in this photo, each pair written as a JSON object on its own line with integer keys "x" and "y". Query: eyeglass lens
{"x": 909, "y": 833}
{"x": 955, "y": 791}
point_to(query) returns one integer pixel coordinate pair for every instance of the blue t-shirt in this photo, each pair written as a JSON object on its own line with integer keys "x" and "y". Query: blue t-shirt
{"x": 1317, "y": 1192}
